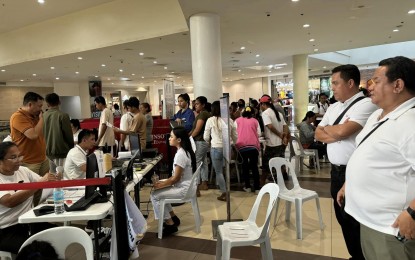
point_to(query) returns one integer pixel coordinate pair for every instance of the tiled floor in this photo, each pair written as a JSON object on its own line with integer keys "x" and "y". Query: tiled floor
{"x": 187, "y": 244}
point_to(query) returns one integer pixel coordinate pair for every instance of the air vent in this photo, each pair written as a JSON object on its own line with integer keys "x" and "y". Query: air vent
{"x": 160, "y": 64}
{"x": 128, "y": 49}
{"x": 234, "y": 61}
{"x": 149, "y": 58}
{"x": 237, "y": 52}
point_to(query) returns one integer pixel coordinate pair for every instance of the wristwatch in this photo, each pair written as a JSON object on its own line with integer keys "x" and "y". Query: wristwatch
{"x": 411, "y": 212}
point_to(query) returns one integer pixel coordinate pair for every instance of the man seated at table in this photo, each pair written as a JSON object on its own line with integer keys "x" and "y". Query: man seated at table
{"x": 14, "y": 203}
{"x": 75, "y": 164}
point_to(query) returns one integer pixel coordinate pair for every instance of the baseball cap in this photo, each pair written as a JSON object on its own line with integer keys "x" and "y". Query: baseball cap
{"x": 265, "y": 99}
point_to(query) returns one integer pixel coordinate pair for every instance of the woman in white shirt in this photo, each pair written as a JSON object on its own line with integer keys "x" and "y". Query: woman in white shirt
{"x": 184, "y": 165}
{"x": 213, "y": 135}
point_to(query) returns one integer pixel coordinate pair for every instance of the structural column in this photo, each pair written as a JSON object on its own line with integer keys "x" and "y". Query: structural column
{"x": 206, "y": 55}
{"x": 300, "y": 75}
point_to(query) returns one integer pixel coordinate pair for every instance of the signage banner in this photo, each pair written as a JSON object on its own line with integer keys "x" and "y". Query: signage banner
{"x": 169, "y": 102}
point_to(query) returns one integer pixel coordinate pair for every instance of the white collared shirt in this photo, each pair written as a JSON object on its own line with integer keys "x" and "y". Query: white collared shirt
{"x": 380, "y": 175}
{"x": 74, "y": 160}
{"x": 340, "y": 152}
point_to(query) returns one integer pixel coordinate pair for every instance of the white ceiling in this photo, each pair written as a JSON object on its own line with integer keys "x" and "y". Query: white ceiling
{"x": 271, "y": 28}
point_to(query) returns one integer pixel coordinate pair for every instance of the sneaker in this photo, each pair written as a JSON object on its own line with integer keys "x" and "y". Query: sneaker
{"x": 89, "y": 228}
{"x": 176, "y": 221}
{"x": 246, "y": 189}
{"x": 222, "y": 197}
{"x": 169, "y": 229}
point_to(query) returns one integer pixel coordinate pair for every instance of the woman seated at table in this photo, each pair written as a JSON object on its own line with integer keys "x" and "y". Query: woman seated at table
{"x": 307, "y": 130}
{"x": 184, "y": 165}
{"x": 14, "y": 203}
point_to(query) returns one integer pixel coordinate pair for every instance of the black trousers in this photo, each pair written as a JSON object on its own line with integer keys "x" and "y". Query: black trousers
{"x": 350, "y": 227}
{"x": 250, "y": 162}
{"x": 11, "y": 238}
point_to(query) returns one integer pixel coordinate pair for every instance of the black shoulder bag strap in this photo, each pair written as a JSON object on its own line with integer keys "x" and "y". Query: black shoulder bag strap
{"x": 347, "y": 108}
{"x": 374, "y": 129}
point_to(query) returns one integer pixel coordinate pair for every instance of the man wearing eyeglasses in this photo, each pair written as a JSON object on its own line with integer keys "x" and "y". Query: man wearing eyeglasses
{"x": 380, "y": 175}
{"x": 26, "y": 127}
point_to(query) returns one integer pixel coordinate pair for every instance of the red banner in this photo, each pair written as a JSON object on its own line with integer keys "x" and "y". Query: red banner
{"x": 55, "y": 184}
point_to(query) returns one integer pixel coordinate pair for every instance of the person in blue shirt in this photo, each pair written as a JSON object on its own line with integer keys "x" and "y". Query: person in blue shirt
{"x": 185, "y": 116}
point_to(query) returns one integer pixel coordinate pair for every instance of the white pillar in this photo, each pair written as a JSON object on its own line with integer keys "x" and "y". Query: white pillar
{"x": 300, "y": 75}
{"x": 206, "y": 55}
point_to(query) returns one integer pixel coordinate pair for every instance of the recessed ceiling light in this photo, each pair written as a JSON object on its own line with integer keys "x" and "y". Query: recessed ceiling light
{"x": 52, "y": 68}
{"x": 306, "y": 25}
{"x": 121, "y": 70}
{"x": 142, "y": 77}
{"x": 411, "y": 12}
{"x": 178, "y": 77}
{"x": 311, "y": 40}
{"x": 155, "y": 81}
{"x": 155, "y": 62}
{"x": 239, "y": 70}
{"x": 141, "y": 53}
{"x": 257, "y": 55}
{"x": 96, "y": 76}
{"x": 172, "y": 72}
{"x": 41, "y": 1}
{"x": 132, "y": 74}
{"x": 22, "y": 80}
{"x": 294, "y": 0}
{"x": 3, "y": 70}
{"x": 57, "y": 78}
{"x": 103, "y": 65}
{"x": 324, "y": 67}
{"x": 315, "y": 50}
{"x": 34, "y": 75}
{"x": 112, "y": 83}
{"x": 243, "y": 48}
{"x": 269, "y": 71}
{"x": 76, "y": 72}
{"x": 165, "y": 68}
{"x": 257, "y": 62}
{"x": 277, "y": 68}
{"x": 396, "y": 30}
{"x": 79, "y": 58}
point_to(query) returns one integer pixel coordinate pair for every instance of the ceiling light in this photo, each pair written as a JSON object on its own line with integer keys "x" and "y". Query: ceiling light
{"x": 324, "y": 67}
{"x": 242, "y": 48}
{"x": 257, "y": 55}
{"x": 396, "y": 30}
{"x": 257, "y": 62}
{"x": 96, "y": 76}
{"x": 155, "y": 81}
{"x": 108, "y": 79}
{"x": 52, "y": 68}
{"x": 411, "y": 12}
{"x": 112, "y": 83}
{"x": 3, "y": 70}
{"x": 281, "y": 64}
{"x": 239, "y": 70}
{"x": 172, "y": 72}
{"x": 103, "y": 65}
{"x": 142, "y": 77}
{"x": 22, "y": 80}
{"x": 57, "y": 78}
{"x": 165, "y": 68}
{"x": 121, "y": 70}
{"x": 41, "y": 1}
{"x": 34, "y": 75}
{"x": 155, "y": 62}
{"x": 76, "y": 72}
{"x": 79, "y": 58}
{"x": 315, "y": 50}
{"x": 277, "y": 68}
{"x": 132, "y": 74}
{"x": 306, "y": 25}
{"x": 311, "y": 40}
{"x": 141, "y": 53}
{"x": 294, "y": 0}
{"x": 269, "y": 71}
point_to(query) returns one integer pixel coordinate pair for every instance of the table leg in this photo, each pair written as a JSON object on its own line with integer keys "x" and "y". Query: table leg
{"x": 137, "y": 194}
{"x": 96, "y": 226}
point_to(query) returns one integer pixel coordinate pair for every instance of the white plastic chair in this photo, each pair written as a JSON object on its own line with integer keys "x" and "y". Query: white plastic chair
{"x": 296, "y": 195}
{"x": 300, "y": 153}
{"x": 189, "y": 197}
{"x": 62, "y": 237}
{"x": 6, "y": 255}
{"x": 245, "y": 233}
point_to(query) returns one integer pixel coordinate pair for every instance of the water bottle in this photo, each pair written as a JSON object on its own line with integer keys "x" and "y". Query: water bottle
{"x": 58, "y": 195}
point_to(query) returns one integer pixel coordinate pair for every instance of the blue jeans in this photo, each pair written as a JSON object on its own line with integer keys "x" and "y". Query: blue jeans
{"x": 216, "y": 154}
{"x": 201, "y": 156}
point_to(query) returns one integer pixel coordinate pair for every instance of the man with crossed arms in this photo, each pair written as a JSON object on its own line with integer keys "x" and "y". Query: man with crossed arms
{"x": 340, "y": 140}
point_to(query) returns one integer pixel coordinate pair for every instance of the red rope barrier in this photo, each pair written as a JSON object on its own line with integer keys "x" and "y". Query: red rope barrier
{"x": 55, "y": 184}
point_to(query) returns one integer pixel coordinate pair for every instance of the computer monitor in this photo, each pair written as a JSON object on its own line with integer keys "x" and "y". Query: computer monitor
{"x": 91, "y": 172}
{"x": 135, "y": 146}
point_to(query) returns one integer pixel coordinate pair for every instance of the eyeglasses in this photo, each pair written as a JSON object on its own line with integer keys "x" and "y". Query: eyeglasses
{"x": 16, "y": 159}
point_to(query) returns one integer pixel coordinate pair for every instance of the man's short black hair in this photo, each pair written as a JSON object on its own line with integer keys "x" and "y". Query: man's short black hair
{"x": 400, "y": 68}
{"x": 31, "y": 97}
{"x": 100, "y": 100}
{"x": 348, "y": 72}
{"x": 85, "y": 133}
{"x": 52, "y": 99}
{"x": 134, "y": 102}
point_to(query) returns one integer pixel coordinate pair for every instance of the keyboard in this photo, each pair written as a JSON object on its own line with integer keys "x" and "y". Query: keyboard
{"x": 82, "y": 203}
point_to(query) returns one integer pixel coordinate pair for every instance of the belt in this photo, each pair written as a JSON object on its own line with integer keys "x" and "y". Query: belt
{"x": 338, "y": 167}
